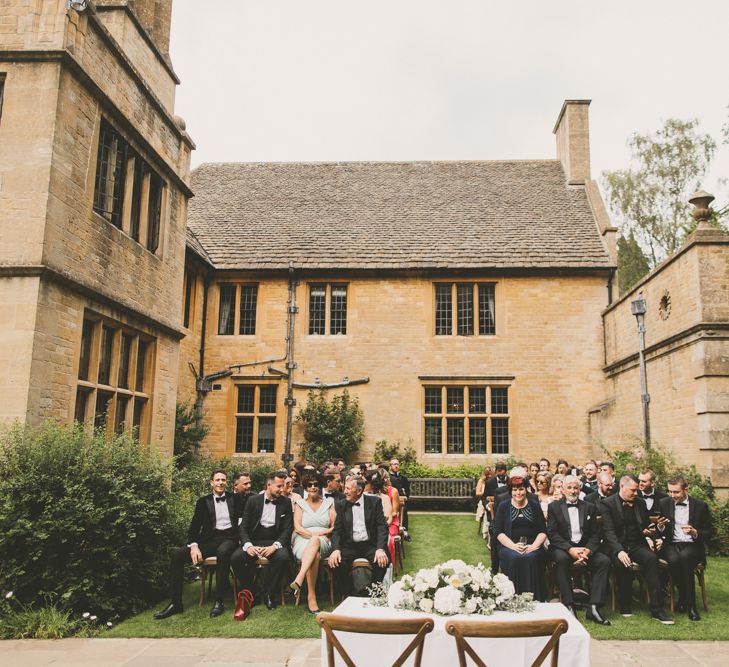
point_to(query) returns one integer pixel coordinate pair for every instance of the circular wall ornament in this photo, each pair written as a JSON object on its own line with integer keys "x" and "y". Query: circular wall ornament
{"x": 664, "y": 307}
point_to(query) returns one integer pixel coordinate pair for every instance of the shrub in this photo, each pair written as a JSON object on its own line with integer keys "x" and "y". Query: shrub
{"x": 384, "y": 451}
{"x": 190, "y": 431}
{"x": 24, "y": 621}
{"x": 86, "y": 521}
{"x": 331, "y": 429}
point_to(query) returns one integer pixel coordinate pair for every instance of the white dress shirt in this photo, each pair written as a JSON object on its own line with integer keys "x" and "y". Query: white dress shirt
{"x": 268, "y": 515}
{"x": 222, "y": 515}
{"x": 574, "y": 515}
{"x": 681, "y": 519}
{"x": 359, "y": 528}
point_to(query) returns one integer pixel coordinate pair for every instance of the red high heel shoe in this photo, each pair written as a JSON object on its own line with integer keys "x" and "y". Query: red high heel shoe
{"x": 243, "y": 606}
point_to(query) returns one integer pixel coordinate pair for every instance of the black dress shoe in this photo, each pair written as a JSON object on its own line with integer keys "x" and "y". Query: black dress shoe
{"x": 217, "y": 609}
{"x": 170, "y": 610}
{"x": 661, "y": 617}
{"x": 693, "y": 614}
{"x": 594, "y": 615}
{"x": 269, "y": 602}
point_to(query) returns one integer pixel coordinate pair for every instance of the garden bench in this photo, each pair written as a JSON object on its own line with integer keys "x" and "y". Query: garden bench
{"x": 435, "y": 492}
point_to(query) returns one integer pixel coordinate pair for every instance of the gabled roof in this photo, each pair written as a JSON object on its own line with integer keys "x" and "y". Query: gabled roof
{"x": 393, "y": 215}
{"x": 194, "y": 244}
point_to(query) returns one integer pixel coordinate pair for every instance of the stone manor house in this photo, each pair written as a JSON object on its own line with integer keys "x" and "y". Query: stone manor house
{"x": 471, "y": 307}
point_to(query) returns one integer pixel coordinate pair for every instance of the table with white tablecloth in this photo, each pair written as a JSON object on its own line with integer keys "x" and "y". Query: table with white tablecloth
{"x": 369, "y": 650}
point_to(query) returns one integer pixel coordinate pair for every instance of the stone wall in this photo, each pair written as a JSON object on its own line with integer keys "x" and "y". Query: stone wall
{"x": 687, "y": 359}
{"x": 549, "y": 340}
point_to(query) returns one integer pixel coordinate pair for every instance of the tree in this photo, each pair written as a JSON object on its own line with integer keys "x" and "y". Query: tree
{"x": 650, "y": 198}
{"x": 331, "y": 430}
{"x": 632, "y": 262}
{"x": 190, "y": 431}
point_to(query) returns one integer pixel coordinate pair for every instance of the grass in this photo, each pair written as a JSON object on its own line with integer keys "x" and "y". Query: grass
{"x": 436, "y": 538}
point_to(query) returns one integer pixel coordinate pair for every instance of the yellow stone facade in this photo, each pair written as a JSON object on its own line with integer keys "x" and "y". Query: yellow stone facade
{"x": 64, "y": 73}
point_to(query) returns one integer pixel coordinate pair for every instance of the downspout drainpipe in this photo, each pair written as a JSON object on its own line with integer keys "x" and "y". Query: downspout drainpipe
{"x": 201, "y": 374}
{"x": 287, "y": 457}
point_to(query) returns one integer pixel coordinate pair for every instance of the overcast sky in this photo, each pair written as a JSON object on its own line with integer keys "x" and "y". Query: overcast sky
{"x": 311, "y": 80}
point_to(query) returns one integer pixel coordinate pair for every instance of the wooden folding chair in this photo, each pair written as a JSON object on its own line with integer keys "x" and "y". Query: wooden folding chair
{"x": 207, "y": 574}
{"x": 553, "y": 628}
{"x": 409, "y": 626}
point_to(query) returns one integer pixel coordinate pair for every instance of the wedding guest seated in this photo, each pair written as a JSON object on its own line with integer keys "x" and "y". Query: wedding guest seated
{"x": 499, "y": 480}
{"x": 360, "y": 531}
{"x": 242, "y": 483}
{"x": 556, "y": 487}
{"x": 296, "y": 481}
{"x": 544, "y": 484}
{"x": 688, "y": 526}
{"x": 626, "y": 526}
{"x": 212, "y": 532}
{"x": 589, "y": 480}
{"x": 289, "y": 491}
{"x": 313, "y": 526}
{"x": 402, "y": 484}
{"x": 520, "y": 530}
{"x": 265, "y": 532}
{"x": 648, "y": 491}
{"x": 486, "y": 474}
{"x": 333, "y": 486}
{"x": 533, "y": 471}
{"x": 574, "y": 537}
{"x": 605, "y": 489}
{"x": 544, "y": 465}
{"x": 563, "y": 467}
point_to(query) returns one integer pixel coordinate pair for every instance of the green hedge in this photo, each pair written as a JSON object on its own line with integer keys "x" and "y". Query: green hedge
{"x": 86, "y": 521}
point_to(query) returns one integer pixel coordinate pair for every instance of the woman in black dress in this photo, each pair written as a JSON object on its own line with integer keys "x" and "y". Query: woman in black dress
{"x": 520, "y": 528}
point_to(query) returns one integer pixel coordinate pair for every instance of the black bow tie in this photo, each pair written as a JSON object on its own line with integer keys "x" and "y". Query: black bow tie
{"x": 647, "y": 495}
{"x": 355, "y": 504}
{"x": 681, "y": 504}
{"x": 220, "y": 499}
{"x": 329, "y": 495}
{"x": 273, "y": 502}
{"x": 626, "y": 504}
{"x": 569, "y": 504}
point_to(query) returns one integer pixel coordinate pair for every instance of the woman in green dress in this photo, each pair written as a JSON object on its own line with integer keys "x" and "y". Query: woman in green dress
{"x": 313, "y": 525}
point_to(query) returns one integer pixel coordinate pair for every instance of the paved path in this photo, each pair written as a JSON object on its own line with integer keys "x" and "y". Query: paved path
{"x": 301, "y": 653}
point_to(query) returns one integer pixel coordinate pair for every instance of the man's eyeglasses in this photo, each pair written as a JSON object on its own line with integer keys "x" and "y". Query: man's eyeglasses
{"x": 312, "y": 485}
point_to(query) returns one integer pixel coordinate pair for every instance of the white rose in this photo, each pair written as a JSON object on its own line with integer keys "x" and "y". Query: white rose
{"x": 471, "y": 605}
{"x": 426, "y": 605}
{"x": 447, "y": 600}
{"x": 395, "y": 595}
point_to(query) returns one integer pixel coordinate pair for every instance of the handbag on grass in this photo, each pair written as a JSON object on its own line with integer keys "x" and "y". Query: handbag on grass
{"x": 244, "y": 605}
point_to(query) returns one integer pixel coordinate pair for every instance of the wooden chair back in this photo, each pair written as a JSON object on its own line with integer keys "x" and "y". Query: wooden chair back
{"x": 407, "y": 626}
{"x": 553, "y": 628}
{"x": 490, "y": 508}
{"x": 401, "y": 511}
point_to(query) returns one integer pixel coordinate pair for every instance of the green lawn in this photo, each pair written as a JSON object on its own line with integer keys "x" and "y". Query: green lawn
{"x": 436, "y": 538}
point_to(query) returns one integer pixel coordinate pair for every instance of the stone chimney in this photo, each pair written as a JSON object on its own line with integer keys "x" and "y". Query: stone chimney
{"x": 155, "y": 16}
{"x": 572, "y": 131}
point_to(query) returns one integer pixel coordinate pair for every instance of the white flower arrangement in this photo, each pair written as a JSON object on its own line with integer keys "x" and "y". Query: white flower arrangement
{"x": 454, "y": 588}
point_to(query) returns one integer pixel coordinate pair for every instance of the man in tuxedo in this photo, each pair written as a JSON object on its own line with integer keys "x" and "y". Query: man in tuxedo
{"x": 332, "y": 486}
{"x": 498, "y": 481}
{"x": 605, "y": 489}
{"x": 574, "y": 537}
{"x": 402, "y": 484}
{"x": 265, "y": 532}
{"x": 648, "y": 491}
{"x": 360, "y": 531}
{"x": 212, "y": 533}
{"x": 626, "y": 527}
{"x": 589, "y": 483}
{"x": 242, "y": 484}
{"x": 687, "y": 528}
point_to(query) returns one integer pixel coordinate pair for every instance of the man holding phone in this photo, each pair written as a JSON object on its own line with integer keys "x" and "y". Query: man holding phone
{"x": 687, "y": 527}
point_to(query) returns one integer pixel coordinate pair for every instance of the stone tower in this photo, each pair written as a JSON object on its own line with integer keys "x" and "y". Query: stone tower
{"x": 93, "y": 196}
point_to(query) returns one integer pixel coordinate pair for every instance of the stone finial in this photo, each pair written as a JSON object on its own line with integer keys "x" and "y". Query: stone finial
{"x": 701, "y": 213}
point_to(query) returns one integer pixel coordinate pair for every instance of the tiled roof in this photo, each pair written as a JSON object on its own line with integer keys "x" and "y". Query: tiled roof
{"x": 193, "y": 242}
{"x": 393, "y": 215}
